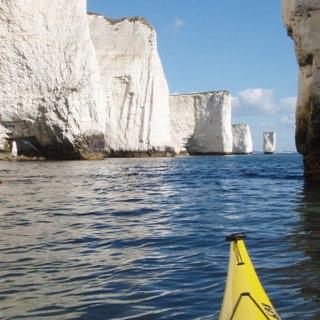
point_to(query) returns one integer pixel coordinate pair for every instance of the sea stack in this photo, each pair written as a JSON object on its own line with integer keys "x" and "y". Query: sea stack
{"x": 14, "y": 150}
{"x": 201, "y": 123}
{"x": 242, "y": 139}
{"x": 50, "y": 87}
{"x": 269, "y": 142}
{"x": 135, "y": 88}
{"x": 302, "y": 19}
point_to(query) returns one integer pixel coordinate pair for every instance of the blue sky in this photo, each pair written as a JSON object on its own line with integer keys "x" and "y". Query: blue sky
{"x": 240, "y": 46}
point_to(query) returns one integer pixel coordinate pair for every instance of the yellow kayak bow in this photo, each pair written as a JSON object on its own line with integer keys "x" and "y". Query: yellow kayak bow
{"x": 244, "y": 297}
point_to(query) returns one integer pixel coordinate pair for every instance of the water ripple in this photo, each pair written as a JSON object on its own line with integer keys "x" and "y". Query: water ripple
{"x": 144, "y": 238}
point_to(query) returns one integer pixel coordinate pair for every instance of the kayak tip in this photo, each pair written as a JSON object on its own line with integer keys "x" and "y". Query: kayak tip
{"x": 235, "y": 237}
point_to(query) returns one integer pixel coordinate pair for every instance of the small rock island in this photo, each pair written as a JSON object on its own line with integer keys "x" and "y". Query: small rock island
{"x": 269, "y": 142}
{"x": 242, "y": 139}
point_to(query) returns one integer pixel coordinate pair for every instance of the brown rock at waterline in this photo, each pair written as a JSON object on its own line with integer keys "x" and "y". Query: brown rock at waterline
{"x": 8, "y": 157}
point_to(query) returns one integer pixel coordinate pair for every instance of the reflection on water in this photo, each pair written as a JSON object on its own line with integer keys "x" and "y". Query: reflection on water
{"x": 144, "y": 238}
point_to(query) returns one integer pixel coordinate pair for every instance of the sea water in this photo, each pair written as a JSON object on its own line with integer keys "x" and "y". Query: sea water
{"x": 144, "y": 238}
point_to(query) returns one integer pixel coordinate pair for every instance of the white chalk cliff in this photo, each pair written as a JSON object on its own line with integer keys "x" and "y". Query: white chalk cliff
{"x": 269, "y": 142}
{"x": 78, "y": 86}
{"x": 134, "y": 85}
{"x": 49, "y": 87}
{"x": 201, "y": 123}
{"x": 242, "y": 139}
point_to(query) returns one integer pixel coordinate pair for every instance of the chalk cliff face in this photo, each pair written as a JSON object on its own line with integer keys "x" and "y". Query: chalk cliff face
{"x": 4, "y": 145}
{"x": 302, "y": 18}
{"x": 50, "y": 89}
{"x": 182, "y": 121}
{"x": 72, "y": 93}
{"x": 135, "y": 89}
{"x": 269, "y": 142}
{"x": 242, "y": 139}
{"x": 201, "y": 123}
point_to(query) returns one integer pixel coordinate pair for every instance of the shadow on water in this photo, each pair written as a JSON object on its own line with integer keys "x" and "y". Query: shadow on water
{"x": 307, "y": 240}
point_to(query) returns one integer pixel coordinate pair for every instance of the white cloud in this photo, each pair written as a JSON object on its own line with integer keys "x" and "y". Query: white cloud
{"x": 235, "y": 102}
{"x": 288, "y": 120}
{"x": 289, "y": 102}
{"x": 175, "y": 93}
{"x": 259, "y": 101}
{"x": 178, "y": 24}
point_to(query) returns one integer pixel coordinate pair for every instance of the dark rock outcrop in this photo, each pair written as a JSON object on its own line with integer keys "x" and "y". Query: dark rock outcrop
{"x": 302, "y": 19}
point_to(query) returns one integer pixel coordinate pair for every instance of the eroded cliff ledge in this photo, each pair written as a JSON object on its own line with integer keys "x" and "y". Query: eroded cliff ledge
{"x": 201, "y": 123}
{"x": 302, "y": 19}
{"x": 50, "y": 87}
{"x": 135, "y": 88}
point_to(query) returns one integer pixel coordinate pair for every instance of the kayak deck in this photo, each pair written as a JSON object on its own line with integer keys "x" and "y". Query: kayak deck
{"x": 244, "y": 296}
